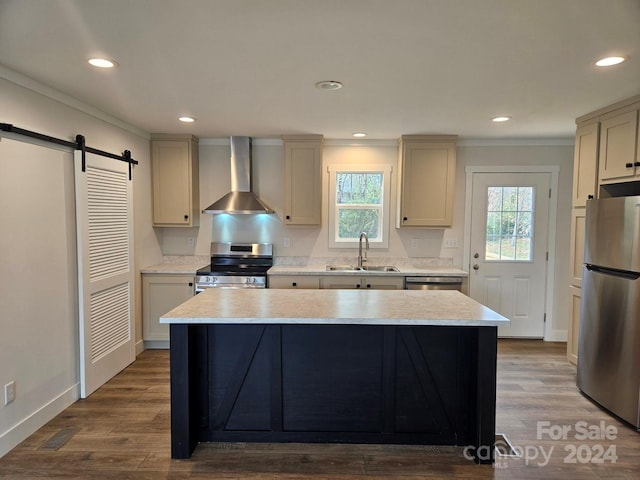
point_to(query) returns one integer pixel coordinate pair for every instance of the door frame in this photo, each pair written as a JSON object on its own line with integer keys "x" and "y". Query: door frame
{"x": 549, "y": 334}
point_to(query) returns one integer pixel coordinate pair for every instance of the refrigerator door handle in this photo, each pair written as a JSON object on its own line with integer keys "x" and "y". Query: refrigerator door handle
{"x": 613, "y": 272}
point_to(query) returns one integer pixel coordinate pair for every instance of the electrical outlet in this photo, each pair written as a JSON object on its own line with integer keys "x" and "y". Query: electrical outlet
{"x": 286, "y": 242}
{"x": 191, "y": 241}
{"x": 415, "y": 243}
{"x": 9, "y": 392}
{"x": 451, "y": 243}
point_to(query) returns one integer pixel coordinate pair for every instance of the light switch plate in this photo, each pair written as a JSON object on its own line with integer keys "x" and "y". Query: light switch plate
{"x": 9, "y": 392}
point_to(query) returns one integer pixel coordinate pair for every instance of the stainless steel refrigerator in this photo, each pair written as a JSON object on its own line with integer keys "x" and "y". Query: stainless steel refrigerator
{"x": 609, "y": 338}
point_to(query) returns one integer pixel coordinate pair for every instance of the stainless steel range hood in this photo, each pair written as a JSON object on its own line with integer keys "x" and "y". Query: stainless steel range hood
{"x": 241, "y": 199}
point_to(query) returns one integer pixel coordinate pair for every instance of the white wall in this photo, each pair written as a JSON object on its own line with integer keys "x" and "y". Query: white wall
{"x": 38, "y": 286}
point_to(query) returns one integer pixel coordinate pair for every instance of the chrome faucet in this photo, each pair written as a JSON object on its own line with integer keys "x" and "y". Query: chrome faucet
{"x": 360, "y": 257}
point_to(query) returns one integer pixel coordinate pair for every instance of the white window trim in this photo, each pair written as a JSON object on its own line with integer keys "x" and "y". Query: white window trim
{"x": 386, "y": 201}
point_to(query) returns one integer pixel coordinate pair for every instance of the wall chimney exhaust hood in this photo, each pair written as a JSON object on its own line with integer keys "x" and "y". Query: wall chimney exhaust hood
{"x": 241, "y": 199}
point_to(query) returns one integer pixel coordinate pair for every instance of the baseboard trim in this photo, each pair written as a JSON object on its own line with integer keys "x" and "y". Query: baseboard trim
{"x": 156, "y": 344}
{"x": 139, "y": 347}
{"x": 28, "y": 425}
{"x": 556, "y": 336}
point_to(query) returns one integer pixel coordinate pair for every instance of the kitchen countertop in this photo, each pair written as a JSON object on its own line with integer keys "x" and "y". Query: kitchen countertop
{"x": 337, "y": 307}
{"x": 403, "y": 270}
{"x": 173, "y": 268}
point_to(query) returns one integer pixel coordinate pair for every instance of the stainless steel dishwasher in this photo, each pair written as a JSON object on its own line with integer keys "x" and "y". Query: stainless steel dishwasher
{"x": 433, "y": 283}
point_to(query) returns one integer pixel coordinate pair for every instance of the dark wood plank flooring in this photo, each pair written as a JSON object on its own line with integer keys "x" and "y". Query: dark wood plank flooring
{"x": 122, "y": 432}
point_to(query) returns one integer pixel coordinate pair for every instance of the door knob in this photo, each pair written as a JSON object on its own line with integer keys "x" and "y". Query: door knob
{"x": 476, "y": 267}
{"x": 476, "y": 255}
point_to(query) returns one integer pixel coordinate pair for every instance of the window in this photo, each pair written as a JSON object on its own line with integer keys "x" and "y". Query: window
{"x": 509, "y": 224}
{"x": 359, "y": 202}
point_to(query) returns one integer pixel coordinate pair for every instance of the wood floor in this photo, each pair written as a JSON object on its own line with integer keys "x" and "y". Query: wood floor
{"x": 122, "y": 432}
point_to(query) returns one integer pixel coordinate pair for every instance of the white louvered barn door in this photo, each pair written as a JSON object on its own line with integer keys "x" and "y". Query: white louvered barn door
{"x": 104, "y": 213}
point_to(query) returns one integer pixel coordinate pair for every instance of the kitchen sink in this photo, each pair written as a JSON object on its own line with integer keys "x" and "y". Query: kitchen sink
{"x": 366, "y": 268}
{"x": 380, "y": 268}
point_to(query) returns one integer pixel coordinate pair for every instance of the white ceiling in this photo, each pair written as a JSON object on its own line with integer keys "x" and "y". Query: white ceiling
{"x": 248, "y": 67}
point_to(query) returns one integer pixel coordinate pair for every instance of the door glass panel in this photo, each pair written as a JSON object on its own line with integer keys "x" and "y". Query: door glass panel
{"x": 509, "y": 224}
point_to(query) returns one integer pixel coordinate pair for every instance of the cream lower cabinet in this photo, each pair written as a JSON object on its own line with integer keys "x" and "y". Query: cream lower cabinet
{"x": 372, "y": 282}
{"x": 573, "y": 330}
{"x": 161, "y": 293}
{"x": 294, "y": 281}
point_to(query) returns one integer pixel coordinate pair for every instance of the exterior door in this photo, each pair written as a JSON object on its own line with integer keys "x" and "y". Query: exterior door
{"x": 508, "y": 248}
{"x": 105, "y": 276}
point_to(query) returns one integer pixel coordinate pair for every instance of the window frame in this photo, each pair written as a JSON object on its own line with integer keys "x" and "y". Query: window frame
{"x": 333, "y": 214}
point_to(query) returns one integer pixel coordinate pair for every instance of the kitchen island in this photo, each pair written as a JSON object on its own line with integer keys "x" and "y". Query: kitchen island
{"x": 351, "y": 366}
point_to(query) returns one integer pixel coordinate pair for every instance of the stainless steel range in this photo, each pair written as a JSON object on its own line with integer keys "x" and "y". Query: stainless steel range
{"x": 236, "y": 265}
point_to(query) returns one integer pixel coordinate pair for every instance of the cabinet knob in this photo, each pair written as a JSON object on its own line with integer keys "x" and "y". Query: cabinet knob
{"x": 628, "y": 165}
{"x": 357, "y": 285}
{"x": 368, "y": 285}
{"x": 288, "y": 217}
{"x": 186, "y": 217}
{"x": 404, "y": 219}
{"x": 294, "y": 284}
{"x": 191, "y": 284}
{"x": 589, "y": 197}
{"x": 636, "y": 164}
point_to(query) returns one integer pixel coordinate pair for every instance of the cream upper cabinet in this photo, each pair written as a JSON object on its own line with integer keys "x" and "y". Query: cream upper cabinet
{"x": 302, "y": 179}
{"x": 426, "y": 181}
{"x": 585, "y": 163}
{"x": 618, "y": 158}
{"x": 176, "y": 191}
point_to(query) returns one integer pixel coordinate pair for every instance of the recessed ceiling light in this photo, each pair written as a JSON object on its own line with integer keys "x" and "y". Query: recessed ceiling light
{"x": 329, "y": 85}
{"x": 187, "y": 119}
{"x": 501, "y": 118}
{"x": 359, "y": 134}
{"x": 103, "y": 62}
{"x": 608, "y": 61}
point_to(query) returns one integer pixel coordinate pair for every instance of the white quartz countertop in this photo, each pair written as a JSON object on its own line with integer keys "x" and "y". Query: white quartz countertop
{"x": 342, "y": 307}
{"x": 173, "y": 268}
{"x": 403, "y": 270}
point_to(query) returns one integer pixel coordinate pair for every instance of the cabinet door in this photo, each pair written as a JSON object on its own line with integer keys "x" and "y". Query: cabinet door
{"x": 574, "y": 325}
{"x": 383, "y": 283}
{"x": 161, "y": 293}
{"x": 175, "y": 183}
{"x": 368, "y": 282}
{"x": 302, "y": 181}
{"x": 341, "y": 282}
{"x": 576, "y": 254}
{"x": 585, "y": 163}
{"x": 427, "y": 181}
{"x": 294, "y": 281}
{"x": 618, "y": 134}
